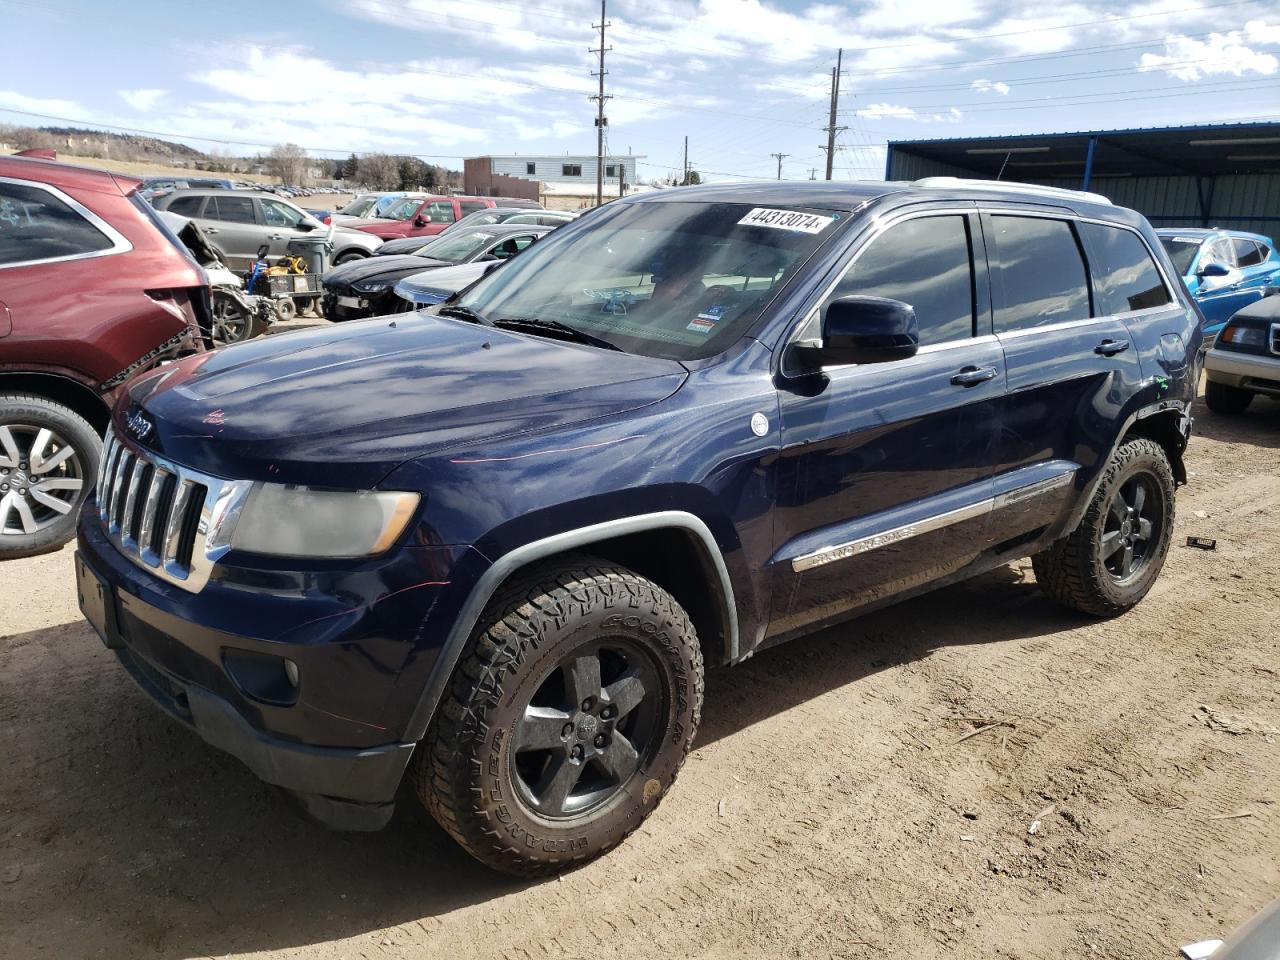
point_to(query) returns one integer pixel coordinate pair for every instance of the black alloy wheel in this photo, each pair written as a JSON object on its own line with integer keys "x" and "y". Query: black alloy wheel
{"x": 1132, "y": 528}
{"x": 586, "y": 729}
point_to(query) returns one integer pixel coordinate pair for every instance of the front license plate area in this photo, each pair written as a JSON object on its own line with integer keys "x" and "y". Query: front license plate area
{"x": 98, "y": 604}
{"x": 354, "y": 302}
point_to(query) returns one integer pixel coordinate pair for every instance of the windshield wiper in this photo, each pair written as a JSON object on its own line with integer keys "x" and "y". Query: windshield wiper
{"x": 464, "y": 313}
{"x": 555, "y": 328}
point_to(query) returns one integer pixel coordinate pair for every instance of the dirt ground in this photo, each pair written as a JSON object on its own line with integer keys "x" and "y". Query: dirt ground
{"x": 832, "y": 806}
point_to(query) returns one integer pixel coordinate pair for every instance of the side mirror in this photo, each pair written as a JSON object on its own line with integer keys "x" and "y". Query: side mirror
{"x": 863, "y": 330}
{"x": 421, "y": 221}
{"x": 1213, "y": 270}
{"x": 306, "y": 223}
{"x": 263, "y": 251}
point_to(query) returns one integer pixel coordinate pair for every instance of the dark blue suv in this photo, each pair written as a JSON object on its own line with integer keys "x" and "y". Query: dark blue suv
{"x": 494, "y": 544}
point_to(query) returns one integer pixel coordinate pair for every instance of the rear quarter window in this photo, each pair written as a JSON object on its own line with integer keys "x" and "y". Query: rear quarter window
{"x": 1125, "y": 277}
{"x": 230, "y": 209}
{"x": 186, "y": 206}
{"x": 1039, "y": 273}
{"x": 36, "y": 225}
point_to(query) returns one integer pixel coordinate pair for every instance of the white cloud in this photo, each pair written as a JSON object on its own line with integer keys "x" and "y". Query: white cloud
{"x": 143, "y": 100}
{"x": 990, "y": 86}
{"x": 19, "y": 101}
{"x": 1259, "y": 31}
{"x": 897, "y": 111}
{"x": 1190, "y": 60}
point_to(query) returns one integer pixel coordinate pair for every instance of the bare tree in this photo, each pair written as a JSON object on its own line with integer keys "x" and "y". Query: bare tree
{"x": 288, "y": 162}
{"x": 380, "y": 171}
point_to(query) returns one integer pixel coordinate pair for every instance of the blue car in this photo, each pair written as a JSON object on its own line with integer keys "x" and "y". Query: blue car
{"x": 1225, "y": 270}
{"x": 482, "y": 553}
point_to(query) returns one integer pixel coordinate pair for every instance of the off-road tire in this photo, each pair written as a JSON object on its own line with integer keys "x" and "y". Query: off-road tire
{"x": 464, "y": 767}
{"x": 28, "y": 410}
{"x": 1227, "y": 400}
{"x": 1072, "y": 571}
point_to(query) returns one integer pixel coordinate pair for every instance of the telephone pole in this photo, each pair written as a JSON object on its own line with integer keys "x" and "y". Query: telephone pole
{"x": 779, "y": 156}
{"x": 600, "y": 98}
{"x": 684, "y": 181}
{"x": 831, "y": 127}
{"x": 813, "y": 173}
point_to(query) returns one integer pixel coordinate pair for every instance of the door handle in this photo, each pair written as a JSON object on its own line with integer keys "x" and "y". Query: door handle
{"x": 1109, "y": 348}
{"x": 972, "y": 376}
{"x": 274, "y": 236}
{"x": 210, "y": 229}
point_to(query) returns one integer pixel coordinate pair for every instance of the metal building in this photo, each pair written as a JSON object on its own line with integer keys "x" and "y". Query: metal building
{"x": 1220, "y": 175}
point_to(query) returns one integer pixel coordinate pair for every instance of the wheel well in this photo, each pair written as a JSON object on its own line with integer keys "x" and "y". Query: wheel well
{"x": 76, "y": 396}
{"x": 677, "y": 561}
{"x": 1163, "y": 428}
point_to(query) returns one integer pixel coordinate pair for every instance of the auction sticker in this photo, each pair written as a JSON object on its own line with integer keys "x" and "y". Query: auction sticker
{"x": 793, "y": 220}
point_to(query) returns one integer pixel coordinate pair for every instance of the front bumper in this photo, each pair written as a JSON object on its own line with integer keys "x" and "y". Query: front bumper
{"x": 337, "y": 745}
{"x": 1256, "y": 372}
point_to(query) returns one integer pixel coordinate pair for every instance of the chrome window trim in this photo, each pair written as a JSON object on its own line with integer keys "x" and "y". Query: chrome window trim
{"x": 119, "y": 243}
{"x": 906, "y": 531}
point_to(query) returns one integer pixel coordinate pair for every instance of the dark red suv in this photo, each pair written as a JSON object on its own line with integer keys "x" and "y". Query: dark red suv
{"x": 93, "y": 287}
{"x": 425, "y": 216}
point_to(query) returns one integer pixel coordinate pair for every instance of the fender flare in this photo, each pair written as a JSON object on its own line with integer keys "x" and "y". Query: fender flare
{"x": 529, "y": 553}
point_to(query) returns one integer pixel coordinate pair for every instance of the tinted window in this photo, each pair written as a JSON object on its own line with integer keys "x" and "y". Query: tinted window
{"x": 571, "y": 170}
{"x": 471, "y": 206}
{"x": 231, "y": 209}
{"x": 530, "y": 168}
{"x": 1124, "y": 275}
{"x": 36, "y": 225}
{"x": 186, "y": 206}
{"x": 924, "y": 262}
{"x": 1247, "y": 253}
{"x": 1040, "y": 276}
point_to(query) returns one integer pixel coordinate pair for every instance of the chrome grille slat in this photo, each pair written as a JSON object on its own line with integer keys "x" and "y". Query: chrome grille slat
{"x": 165, "y": 517}
{"x": 150, "y": 507}
{"x": 173, "y": 529}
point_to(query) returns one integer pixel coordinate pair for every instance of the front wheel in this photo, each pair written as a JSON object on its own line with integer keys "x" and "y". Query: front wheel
{"x": 48, "y": 464}
{"x": 1109, "y": 562}
{"x": 349, "y": 256}
{"x": 1221, "y": 398}
{"x": 566, "y": 720}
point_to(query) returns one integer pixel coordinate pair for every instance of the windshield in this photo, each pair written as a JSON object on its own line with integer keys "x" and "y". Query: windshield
{"x": 402, "y": 210}
{"x": 455, "y": 247}
{"x": 666, "y": 279}
{"x": 1182, "y": 251}
{"x": 359, "y": 207}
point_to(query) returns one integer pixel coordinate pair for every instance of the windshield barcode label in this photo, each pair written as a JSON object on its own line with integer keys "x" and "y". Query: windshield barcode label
{"x": 787, "y": 220}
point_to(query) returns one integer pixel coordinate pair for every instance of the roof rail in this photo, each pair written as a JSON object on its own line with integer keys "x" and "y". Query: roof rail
{"x": 959, "y": 183}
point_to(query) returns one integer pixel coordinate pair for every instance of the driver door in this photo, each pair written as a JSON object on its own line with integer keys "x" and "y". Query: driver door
{"x": 282, "y": 222}
{"x": 886, "y": 472}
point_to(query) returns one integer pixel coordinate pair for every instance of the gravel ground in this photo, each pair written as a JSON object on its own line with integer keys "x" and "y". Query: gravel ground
{"x": 832, "y": 807}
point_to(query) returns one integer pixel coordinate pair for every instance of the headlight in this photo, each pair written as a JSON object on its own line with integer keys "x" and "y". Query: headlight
{"x": 373, "y": 286}
{"x": 1244, "y": 336}
{"x": 288, "y": 520}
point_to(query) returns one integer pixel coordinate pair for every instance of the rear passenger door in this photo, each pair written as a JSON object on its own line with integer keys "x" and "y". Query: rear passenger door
{"x": 884, "y": 479}
{"x": 232, "y": 226}
{"x": 443, "y": 214}
{"x": 1071, "y": 369}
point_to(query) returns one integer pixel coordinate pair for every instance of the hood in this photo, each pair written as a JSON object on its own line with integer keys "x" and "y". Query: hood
{"x": 344, "y": 406}
{"x": 377, "y": 269}
{"x": 403, "y": 246}
{"x": 380, "y": 228}
{"x": 437, "y": 285}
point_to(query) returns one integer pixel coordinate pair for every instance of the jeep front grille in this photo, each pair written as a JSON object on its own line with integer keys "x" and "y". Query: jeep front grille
{"x": 162, "y": 516}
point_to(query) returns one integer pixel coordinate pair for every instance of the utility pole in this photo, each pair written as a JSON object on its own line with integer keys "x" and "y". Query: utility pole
{"x": 600, "y": 98}
{"x": 831, "y": 127}
{"x": 813, "y": 173}
{"x": 779, "y": 156}
{"x": 684, "y": 181}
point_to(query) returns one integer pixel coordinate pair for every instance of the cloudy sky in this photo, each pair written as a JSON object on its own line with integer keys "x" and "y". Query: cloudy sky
{"x": 742, "y": 79}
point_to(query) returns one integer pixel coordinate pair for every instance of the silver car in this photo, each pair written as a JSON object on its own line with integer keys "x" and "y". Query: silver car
{"x": 238, "y": 222}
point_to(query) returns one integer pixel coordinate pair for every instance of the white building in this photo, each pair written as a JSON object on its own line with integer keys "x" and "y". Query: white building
{"x": 564, "y": 181}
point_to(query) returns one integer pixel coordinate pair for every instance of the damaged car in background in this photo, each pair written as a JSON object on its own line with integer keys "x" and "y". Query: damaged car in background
{"x": 93, "y": 288}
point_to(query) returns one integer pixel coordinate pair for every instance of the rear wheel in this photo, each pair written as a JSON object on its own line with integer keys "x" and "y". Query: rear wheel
{"x": 348, "y": 256}
{"x": 1224, "y": 399}
{"x": 567, "y": 719}
{"x": 233, "y": 320}
{"x": 1109, "y": 562}
{"x": 48, "y": 464}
